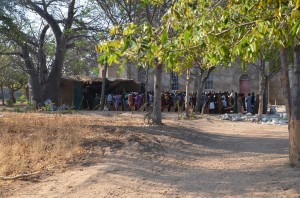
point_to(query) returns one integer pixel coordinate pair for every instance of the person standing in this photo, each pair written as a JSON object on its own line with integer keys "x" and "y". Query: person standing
{"x": 224, "y": 104}
{"x": 253, "y": 102}
{"x": 137, "y": 101}
{"x": 235, "y": 103}
{"x": 249, "y": 105}
{"x": 130, "y": 102}
{"x": 117, "y": 98}
{"x": 212, "y": 104}
{"x": 240, "y": 104}
{"x": 109, "y": 101}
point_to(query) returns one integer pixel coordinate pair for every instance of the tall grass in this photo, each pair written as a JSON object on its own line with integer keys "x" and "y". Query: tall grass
{"x": 34, "y": 142}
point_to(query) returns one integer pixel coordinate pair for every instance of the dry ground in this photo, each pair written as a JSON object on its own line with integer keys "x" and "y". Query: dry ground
{"x": 118, "y": 156}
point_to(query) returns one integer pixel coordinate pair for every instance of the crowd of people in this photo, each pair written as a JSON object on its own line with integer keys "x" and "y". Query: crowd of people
{"x": 212, "y": 102}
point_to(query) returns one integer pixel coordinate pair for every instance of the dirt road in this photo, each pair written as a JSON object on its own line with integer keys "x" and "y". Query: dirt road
{"x": 205, "y": 157}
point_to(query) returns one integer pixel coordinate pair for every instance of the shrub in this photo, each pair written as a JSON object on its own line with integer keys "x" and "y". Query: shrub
{"x": 10, "y": 103}
{"x": 22, "y": 99}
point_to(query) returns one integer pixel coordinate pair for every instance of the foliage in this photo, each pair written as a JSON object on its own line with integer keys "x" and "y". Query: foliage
{"x": 22, "y": 99}
{"x": 10, "y": 103}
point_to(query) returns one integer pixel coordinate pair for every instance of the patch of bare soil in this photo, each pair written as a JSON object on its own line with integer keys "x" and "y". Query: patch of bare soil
{"x": 204, "y": 157}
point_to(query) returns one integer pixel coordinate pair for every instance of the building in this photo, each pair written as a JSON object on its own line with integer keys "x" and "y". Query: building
{"x": 231, "y": 78}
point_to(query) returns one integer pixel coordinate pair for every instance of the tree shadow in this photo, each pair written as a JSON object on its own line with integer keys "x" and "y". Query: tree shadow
{"x": 167, "y": 155}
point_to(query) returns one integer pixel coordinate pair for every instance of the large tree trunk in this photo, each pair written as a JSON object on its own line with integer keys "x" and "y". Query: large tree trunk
{"x": 187, "y": 91}
{"x": 291, "y": 99}
{"x": 45, "y": 85}
{"x": 294, "y": 119}
{"x": 102, "y": 97}
{"x": 51, "y": 89}
{"x": 12, "y": 95}
{"x": 35, "y": 90}
{"x": 2, "y": 94}
{"x": 157, "y": 95}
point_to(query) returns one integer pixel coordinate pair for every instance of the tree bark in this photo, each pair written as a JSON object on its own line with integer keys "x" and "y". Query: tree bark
{"x": 291, "y": 98}
{"x": 203, "y": 76}
{"x": 11, "y": 95}
{"x": 294, "y": 119}
{"x": 187, "y": 91}
{"x": 102, "y": 97}
{"x": 146, "y": 84}
{"x": 262, "y": 87}
{"x": 157, "y": 95}
{"x": 2, "y": 94}
{"x": 35, "y": 90}
{"x": 266, "y": 96}
{"x": 284, "y": 78}
{"x": 51, "y": 89}
{"x": 200, "y": 86}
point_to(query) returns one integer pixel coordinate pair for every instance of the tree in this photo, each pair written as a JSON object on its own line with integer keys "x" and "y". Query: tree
{"x": 202, "y": 73}
{"x": 243, "y": 27}
{"x": 116, "y": 13}
{"x": 61, "y": 24}
{"x": 140, "y": 50}
{"x": 11, "y": 77}
{"x": 270, "y": 57}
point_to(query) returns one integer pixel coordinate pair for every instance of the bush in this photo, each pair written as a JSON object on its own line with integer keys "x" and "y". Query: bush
{"x": 10, "y": 103}
{"x": 22, "y": 99}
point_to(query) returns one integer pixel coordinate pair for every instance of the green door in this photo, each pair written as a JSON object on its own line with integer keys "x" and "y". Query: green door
{"x": 77, "y": 95}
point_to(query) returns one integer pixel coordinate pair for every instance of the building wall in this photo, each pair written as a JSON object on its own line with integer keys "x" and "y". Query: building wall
{"x": 224, "y": 79}
{"x": 275, "y": 92}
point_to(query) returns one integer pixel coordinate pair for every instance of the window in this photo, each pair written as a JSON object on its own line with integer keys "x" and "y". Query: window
{"x": 141, "y": 75}
{"x": 209, "y": 82}
{"x": 174, "y": 81}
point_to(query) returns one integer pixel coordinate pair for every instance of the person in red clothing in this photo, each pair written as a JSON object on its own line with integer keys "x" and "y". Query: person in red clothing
{"x": 131, "y": 102}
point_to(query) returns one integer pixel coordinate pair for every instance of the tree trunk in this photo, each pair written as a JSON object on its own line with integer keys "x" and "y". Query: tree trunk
{"x": 262, "y": 87}
{"x": 12, "y": 95}
{"x": 266, "y": 96}
{"x": 203, "y": 76}
{"x": 200, "y": 86}
{"x": 294, "y": 119}
{"x": 157, "y": 95}
{"x": 146, "y": 84}
{"x": 35, "y": 90}
{"x": 187, "y": 90}
{"x": 2, "y": 94}
{"x": 284, "y": 78}
{"x": 51, "y": 89}
{"x": 102, "y": 97}
{"x": 291, "y": 98}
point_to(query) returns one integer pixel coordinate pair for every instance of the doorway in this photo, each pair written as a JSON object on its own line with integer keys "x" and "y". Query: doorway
{"x": 244, "y": 84}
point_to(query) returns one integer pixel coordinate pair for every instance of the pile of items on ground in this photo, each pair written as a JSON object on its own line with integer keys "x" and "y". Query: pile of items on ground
{"x": 50, "y": 106}
{"x": 273, "y": 117}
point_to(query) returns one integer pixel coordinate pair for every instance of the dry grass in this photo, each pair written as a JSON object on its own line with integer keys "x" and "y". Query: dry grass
{"x": 34, "y": 142}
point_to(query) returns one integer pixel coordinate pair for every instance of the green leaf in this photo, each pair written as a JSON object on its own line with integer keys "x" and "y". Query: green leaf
{"x": 125, "y": 46}
{"x": 164, "y": 37}
{"x": 177, "y": 15}
{"x": 134, "y": 44}
{"x": 296, "y": 28}
{"x": 187, "y": 35}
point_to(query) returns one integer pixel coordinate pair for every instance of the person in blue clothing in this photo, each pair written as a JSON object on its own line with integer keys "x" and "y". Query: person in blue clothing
{"x": 249, "y": 104}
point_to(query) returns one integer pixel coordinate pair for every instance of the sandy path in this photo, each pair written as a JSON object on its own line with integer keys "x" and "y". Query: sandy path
{"x": 190, "y": 158}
